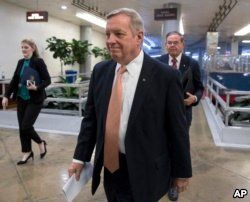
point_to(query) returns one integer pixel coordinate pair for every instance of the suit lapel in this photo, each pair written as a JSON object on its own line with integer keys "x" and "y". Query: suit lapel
{"x": 167, "y": 59}
{"x": 184, "y": 64}
{"x": 108, "y": 89}
{"x": 141, "y": 89}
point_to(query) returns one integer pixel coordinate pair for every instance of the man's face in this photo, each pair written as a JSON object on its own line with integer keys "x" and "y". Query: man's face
{"x": 122, "y": 43}
{"x": 174, "y": 45}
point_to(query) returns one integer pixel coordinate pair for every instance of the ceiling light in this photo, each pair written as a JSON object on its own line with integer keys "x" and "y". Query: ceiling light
{"x": 151, "y": 42}
{"x": 218, "y": 48}
{"x": 155, "y": 56}
{"x": 92, "y": 19}
{"x": 146, "y": 45}
{"x": 245, "y": 30}
{"x": 63, "y": 7}
{"x": 246, "y": 41}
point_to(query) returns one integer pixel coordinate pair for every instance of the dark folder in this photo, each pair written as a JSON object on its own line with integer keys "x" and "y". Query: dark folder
{"x": 30, "y": 74}
{"x": 187, "y": 81}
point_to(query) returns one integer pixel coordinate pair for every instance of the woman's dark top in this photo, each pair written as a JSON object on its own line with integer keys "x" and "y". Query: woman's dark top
{"x": 37, "y": 96}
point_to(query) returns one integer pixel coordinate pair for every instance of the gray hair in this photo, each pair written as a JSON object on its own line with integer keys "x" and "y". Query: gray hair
{"x": 175, "y": 33}
{"x": 136, "y": 19}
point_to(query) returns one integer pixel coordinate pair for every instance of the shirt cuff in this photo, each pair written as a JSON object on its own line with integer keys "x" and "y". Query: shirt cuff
{"x": 196, "y": 99}
{"x": 77, "y": 161}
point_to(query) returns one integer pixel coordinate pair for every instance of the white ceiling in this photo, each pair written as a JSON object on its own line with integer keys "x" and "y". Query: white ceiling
{"x": 197, "y": 14}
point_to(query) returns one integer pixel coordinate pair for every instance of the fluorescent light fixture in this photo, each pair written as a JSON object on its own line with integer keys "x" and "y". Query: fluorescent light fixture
{"x": 245, "y": 30}
{"x": 195, "y": 56}
{"x": 63, "y": 7}
{"x": 92, "y": 19}
{"x": 246, "y": 41}
{"x": 181, "y": 27}
{"x": 245, "y": 54}
{"x": 218, "y": 48}
{"x": 151, "y": 43}
{"x": 146, "y": 45}
{"x": 187, "y": 52}
{"x": 155, "y": 56}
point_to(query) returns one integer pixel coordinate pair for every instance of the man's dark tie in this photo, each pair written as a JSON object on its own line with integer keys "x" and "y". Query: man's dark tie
{"x": 111, "y": 142}
{"x": 174, "y": 63}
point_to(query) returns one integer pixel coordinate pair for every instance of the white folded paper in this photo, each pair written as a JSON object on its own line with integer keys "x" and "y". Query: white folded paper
{"x": 72, "y": 187}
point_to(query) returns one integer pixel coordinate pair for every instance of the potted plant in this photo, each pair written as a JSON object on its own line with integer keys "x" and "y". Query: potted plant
{"x": 69, "y": 52}
{"x": 101, "y": 52}
{"x": 80, "y": 51}
{"x": 61, "y": 49}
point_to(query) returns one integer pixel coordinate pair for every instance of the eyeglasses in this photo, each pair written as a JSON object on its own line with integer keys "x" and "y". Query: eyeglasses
{"x": 175, "y": 43}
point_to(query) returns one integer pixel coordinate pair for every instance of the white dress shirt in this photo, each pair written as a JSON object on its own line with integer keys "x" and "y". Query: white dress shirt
{"x": 178, "y": 60}
{"x": 129, "y": 84}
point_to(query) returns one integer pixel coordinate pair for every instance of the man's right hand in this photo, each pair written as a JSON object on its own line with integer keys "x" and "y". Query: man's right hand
{"x": 5, "y": 102}
{"x": 181, "y": 184}
{"x": 75, "y": 168}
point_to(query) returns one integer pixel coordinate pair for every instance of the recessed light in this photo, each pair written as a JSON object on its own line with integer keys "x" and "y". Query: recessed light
{"x": 63, "y": 7}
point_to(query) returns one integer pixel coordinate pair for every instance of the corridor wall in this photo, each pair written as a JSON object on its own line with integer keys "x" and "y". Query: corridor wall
{"x": 14, "y": 28}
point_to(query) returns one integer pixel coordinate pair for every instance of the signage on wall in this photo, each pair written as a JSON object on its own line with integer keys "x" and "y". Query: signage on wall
{"x": 165, "y": 14}
{"x": 37, "y": 16}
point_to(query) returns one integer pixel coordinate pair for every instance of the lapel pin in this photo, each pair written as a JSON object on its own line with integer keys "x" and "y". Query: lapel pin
{"x": 143, "y": 79}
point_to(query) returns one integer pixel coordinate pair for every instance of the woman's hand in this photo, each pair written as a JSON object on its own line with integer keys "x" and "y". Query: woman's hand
{"x": 31, "y": 86}
{"x": 5, "y": 102}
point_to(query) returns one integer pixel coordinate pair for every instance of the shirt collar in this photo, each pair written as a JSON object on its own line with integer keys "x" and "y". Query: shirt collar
{"x": 178, "y": 58}
{"x": 134, "y": 66}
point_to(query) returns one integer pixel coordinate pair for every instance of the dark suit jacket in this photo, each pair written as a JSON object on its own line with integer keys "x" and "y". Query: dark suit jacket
{"x": 191, "y": 80}
{"x": 156, "y": 142}
{"x": 35, "y": 96}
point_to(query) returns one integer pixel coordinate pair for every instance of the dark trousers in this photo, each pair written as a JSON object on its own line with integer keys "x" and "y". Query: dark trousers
{"x": 27, "y": 113}
{"x": 116, "y": 185}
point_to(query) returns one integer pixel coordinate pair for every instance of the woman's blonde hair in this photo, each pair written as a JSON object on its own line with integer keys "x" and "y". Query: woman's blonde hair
{"x": 32, "y": 44}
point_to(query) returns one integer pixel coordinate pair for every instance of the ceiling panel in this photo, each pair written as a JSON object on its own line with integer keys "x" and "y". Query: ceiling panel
{"x": 197, "y": 14}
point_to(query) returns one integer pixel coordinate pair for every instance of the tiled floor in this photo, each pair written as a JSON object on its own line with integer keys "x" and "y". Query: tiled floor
{"x": 217, "y": 172}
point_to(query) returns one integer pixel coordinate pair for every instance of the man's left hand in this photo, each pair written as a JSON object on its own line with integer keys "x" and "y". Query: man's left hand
{"x": 190, "y": 99}
{"x": 181, "y": 184}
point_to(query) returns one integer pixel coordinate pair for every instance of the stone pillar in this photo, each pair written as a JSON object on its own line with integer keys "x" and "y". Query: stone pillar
{"x": 235, "y": 47}
{"x": 170, "y": 25}
{"x": 86, "y": 34}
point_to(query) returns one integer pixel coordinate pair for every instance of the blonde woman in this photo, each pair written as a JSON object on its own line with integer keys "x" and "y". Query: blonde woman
{"x": 29, "y": 94}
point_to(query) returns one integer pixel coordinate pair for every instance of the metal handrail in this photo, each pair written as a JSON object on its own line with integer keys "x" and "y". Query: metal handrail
{"x": 225, "y": 105}
{"x": 83, "y": 88}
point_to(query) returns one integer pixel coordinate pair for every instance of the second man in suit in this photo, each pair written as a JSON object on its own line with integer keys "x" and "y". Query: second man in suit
{"x": 190, "y": 76}
{"x": 134, "y": 119}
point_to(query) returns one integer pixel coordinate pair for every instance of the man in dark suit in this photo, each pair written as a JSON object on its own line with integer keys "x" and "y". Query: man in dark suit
{"x": 152, "y": 139}
{"x": 190, "y": 77}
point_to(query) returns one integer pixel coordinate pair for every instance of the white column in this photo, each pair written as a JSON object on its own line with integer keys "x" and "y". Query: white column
{"x": 170, "y": 25}
{"x": 86, "y": 34}
{"x": 235, "y": 47}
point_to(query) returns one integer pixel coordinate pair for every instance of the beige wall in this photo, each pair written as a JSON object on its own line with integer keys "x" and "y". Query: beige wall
{"x": 14, "y": 28}
{"x": 97, "y": 40}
